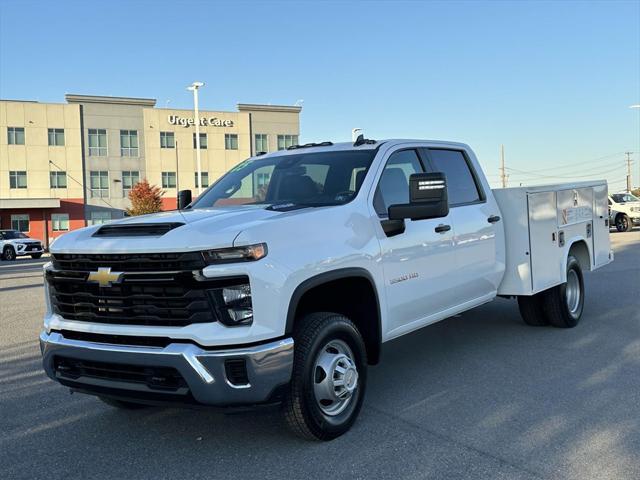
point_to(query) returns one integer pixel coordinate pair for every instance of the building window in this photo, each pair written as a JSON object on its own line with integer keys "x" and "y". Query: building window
{"x": 98, "y": 218}
{"x": 168, "y": 179}
{"x": 56, "y": 137}
{"x": 167, "y": 140}
{"x": 60, "y": 222}
{"x": 17, "y": 179}
{"x": 97, "y": 142}
{"x": 58, "y": 179}
{"x": 129, "y": 143}
{"x": 99, "y": 181}
{"x": 230, "y": 141}
{"x": 205, "y": 179}
{"x": 262, "y": 142}
{"x": 285, "y": 141}
{"x": 203, "y": 141}
{"x": 15, "y": 136}
{"x": 20, "y": 223}
{"x": 129, "y": 179}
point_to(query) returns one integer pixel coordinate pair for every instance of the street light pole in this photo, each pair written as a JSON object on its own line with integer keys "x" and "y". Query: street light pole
{"x": 637, "y": 107}
{"x": 196, "y": 113}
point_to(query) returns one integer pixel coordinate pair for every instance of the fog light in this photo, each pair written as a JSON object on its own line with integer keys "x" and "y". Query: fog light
{"x": 233, "y": 304}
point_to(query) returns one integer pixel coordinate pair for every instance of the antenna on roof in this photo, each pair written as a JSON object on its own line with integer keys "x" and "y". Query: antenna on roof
{"x": 358, "y": 138}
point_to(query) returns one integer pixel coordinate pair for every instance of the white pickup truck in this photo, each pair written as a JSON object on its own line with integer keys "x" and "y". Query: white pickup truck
{"x": 624, "y": 211}
{"x": 283, "y": 279}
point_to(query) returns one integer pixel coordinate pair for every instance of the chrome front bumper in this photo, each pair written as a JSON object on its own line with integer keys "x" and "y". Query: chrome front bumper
{"x": 268, "y": 366}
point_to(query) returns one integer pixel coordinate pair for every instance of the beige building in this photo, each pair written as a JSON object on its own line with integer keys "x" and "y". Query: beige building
{"x": 65, "y": 165}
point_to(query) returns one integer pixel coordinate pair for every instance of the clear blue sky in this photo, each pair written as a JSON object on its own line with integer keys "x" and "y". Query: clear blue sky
{"x": 552, "y": 81}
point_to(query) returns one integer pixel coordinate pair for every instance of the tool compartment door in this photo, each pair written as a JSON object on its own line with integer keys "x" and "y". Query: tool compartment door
{"x": 543, "y": 237}
{"x": 601, "y": 239}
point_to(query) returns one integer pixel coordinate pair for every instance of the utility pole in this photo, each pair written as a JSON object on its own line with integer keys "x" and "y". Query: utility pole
{"x": 503, "y": 175}
{"x": 629, "y": 186}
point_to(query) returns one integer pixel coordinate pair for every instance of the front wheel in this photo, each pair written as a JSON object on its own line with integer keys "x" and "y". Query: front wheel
{"x": 623, "y": 223}
{"x": 564, "y": 303}
{"x": 8, "y": 253}
{"x": 329, "y": 377}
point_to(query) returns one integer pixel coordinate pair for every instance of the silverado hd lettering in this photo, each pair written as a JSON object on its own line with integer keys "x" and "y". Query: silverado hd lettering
{"x": 282, "y": 280}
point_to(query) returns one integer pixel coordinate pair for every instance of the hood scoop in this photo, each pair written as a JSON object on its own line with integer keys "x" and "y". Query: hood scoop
{"x": 136, "y": 229}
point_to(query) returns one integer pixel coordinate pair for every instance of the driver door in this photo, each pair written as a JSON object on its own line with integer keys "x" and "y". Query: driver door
{"x": 419, "y": 264}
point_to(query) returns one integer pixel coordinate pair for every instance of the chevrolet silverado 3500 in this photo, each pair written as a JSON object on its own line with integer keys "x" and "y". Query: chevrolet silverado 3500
{"x": 280, "y": 282}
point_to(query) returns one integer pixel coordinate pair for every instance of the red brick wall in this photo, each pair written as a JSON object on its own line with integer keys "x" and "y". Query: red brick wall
{"x": 37, "y": 216}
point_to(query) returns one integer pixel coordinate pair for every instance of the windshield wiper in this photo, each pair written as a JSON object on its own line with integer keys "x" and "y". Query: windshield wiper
{"x": 287, "y": 206}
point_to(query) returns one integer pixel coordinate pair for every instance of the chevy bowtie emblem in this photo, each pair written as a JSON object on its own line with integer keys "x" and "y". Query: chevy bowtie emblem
{"x": 105, "y": 277}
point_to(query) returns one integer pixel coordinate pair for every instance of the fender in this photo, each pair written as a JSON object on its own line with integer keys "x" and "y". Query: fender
{"x": 327, "y": 277}
{"x": 570, "y": 243}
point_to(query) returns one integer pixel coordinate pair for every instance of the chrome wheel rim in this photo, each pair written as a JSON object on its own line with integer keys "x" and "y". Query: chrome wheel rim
{"x": 335, "y": 377}
{"x": 573, "y": 291}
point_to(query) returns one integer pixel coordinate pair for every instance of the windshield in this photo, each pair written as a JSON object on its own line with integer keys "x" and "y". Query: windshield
{"x": 304, "y": 179}
{"x": 624, "y": 197}
{"x": 12, "y": 235}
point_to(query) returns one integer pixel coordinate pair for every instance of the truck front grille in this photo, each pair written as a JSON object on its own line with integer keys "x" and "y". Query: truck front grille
{"x": 173, "y": 299}
{"x": 138, "y": 262}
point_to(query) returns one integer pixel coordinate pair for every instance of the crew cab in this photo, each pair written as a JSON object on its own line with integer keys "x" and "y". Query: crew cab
{"x": 282, "y": 280}
{"x": 624, "y": 211}
{"x": 17, "y": 244}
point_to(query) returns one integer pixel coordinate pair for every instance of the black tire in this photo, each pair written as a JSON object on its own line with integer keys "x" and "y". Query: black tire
{"x": 623, "y": 223}
{"x": 9, "y": 253}
{"x": 36, "y": 255}
{"x": 313, "y": 335}
{"x": 532, "y": 311}
{"x": 556, "y": 303}
{"x": 121, "y": 404}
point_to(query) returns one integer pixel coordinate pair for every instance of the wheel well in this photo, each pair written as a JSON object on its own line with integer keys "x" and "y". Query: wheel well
{"x": 580, "y": 251}
{"x": 620, "y": 214}
{"x": 354, "y": 297}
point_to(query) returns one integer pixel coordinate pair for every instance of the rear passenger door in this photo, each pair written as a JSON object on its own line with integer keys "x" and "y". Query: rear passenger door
{"x": 476, "y": 222}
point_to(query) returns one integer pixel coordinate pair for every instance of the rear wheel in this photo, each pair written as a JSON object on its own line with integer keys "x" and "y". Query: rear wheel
{"x": 329, "y": 377}
{"x": 564, "y": 303}
{"x": 8, "y": 253}
{"x": 121, "y": 404}
{"x": 623, "y": 223}
{"x": 532, "y": 310}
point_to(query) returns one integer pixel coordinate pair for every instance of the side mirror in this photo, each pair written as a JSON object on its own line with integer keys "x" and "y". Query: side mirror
{"x": 184, "y": 199}
{"x": 427, "y": 198}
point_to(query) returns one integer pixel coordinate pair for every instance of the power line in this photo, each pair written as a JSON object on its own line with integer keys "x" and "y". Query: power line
{"x": 531, "y": 174}
{"x": 569, "y": 165}
{"x": 79, "y": 183}
{"x": 595, "y": 170}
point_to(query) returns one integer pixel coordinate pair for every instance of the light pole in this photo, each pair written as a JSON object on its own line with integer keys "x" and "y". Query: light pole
{"x": 196, "y": 113}
{"x": 637, "y": 107}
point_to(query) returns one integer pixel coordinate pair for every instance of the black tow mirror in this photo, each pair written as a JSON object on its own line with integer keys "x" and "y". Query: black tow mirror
{"x": 427, "y": 198}
{"x": 184, "y": 199}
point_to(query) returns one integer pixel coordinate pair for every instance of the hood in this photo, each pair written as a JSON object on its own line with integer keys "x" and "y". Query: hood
{"x": 202, "y": 229}
{"x": 24, "y": 240}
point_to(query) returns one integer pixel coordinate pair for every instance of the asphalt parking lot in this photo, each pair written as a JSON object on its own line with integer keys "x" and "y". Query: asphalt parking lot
{"x": 480, "y": 395}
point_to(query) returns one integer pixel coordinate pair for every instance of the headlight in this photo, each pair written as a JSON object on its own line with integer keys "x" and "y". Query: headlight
{"x": 233, "y": 304}
{"x": 248, "y": 253}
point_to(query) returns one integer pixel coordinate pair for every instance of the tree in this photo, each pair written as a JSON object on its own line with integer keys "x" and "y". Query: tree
{"x": 145, "y": 198}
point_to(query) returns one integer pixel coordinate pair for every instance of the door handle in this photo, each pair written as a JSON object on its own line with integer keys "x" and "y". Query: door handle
{"x": 493, "y": 219}
{"x": 442, "y": 228}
